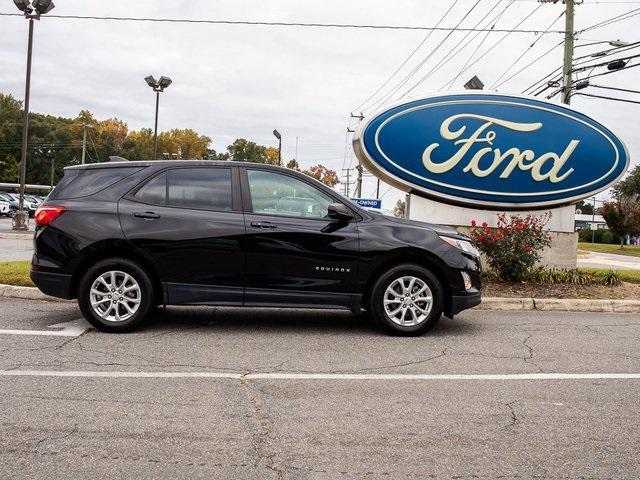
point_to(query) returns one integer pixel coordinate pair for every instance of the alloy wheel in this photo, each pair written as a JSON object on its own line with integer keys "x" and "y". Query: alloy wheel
{"x": 115, "y": 296}
{"x": 408, "y": 301}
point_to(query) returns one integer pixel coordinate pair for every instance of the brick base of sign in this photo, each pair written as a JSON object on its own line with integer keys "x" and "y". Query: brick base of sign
{"x": 563, "y": 252}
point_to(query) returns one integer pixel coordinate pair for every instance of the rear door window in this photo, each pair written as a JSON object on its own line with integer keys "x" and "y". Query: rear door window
{"x": 200, "y": 188}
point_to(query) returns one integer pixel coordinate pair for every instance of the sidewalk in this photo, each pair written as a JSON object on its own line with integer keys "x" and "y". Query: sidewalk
{"x": 15, "y": 245}
{"x": 608, "y": 260}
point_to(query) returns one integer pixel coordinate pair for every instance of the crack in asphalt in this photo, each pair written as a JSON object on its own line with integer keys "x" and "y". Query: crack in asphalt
{"x": 530, "y": 357}
{"x": 513, "y": 418}
{"x": 406, "y": 364}
{"x": 62, "y": 437}
{"x": 263, "y": 446}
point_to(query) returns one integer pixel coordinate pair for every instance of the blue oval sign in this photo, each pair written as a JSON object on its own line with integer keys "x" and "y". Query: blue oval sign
{"x": 498, "y": 151}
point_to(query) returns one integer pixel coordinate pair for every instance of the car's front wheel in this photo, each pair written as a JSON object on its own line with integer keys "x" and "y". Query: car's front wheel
{"x": 407, "y": 300}
{"x": 115, "y": 295}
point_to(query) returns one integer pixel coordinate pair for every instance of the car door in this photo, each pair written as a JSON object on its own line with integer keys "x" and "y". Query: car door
{"x": 189, "y": 222}
{"x": 295, "y": 254}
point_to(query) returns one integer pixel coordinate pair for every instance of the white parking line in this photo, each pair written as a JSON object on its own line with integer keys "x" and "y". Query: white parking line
{"x": 320, "y": 376}
{"x": 74, "y": 328}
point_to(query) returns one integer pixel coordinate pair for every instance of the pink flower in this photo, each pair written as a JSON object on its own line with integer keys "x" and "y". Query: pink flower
{"x": 473, "y": 223}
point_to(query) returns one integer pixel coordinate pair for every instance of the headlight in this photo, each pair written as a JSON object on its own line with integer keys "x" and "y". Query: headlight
{"x": 464, "y": 245}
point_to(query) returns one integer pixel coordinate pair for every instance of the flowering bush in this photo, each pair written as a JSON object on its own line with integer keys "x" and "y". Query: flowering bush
{"x": 514, "y": 247}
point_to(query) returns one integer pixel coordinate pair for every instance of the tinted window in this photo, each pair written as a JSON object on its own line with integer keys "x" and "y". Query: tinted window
{"x": 277, "y": 194}
{"x": 82, "y": 183}
{"x": 154, "y": 192}
{"x": 206, "y": 188}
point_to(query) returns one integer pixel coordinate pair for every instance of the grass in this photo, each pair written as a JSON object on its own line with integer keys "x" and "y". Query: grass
{"x": 631, "y": 276}
{"x": 16, "y": 273}
{"x": 629, "y": 250}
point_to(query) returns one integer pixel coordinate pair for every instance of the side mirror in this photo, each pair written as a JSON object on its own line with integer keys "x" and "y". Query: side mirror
{"x": 338, "y": 211}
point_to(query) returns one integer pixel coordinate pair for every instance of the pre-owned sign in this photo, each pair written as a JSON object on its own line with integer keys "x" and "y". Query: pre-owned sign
{"x": 490, "y": 150}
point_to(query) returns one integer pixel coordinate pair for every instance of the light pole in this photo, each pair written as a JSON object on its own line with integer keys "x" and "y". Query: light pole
{"x": 41, "y": 7}
{"x": 276, "y": 134}
{"x": 158, "y": 87}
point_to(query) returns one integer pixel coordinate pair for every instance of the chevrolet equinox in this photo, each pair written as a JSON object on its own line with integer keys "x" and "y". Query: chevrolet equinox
{"x": 125, "y": 237}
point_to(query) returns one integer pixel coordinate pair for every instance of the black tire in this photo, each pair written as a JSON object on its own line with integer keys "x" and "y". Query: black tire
{"x": 122, "y": 265}
{"x": 376, "y": 300}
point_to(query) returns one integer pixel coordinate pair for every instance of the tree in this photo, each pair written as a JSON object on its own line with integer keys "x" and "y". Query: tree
{"x": 293, "y": 164}
{"x": 400, "y": 208}
{"x": 630, "y": 185}
{"x": 584, "y": 207}
{"x": 323, "y": 174}
{"x": 623, "y": 216}
{"x": 243, "y": 150}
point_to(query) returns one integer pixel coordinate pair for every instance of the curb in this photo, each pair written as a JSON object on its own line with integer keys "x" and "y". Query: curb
{"x": 488, "y": 303}
{"x": 17, "y": 236}
{"x": 560, "y": 305}
{"x": 26, "y": 293}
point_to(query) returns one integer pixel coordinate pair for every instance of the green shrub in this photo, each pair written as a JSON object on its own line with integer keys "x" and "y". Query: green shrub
{"x": 600, "y": 236}
{"x": 610, "y": 278}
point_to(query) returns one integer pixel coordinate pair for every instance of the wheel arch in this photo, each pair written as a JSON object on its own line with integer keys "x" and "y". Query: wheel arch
{"x": 410, "y": 256}
{"x": 115, "y": 249}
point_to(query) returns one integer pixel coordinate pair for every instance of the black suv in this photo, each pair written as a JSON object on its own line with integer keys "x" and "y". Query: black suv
{"x": 125, "y": 237}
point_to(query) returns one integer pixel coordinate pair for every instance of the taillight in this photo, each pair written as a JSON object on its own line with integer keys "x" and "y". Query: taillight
{"x": 45, "y": 214}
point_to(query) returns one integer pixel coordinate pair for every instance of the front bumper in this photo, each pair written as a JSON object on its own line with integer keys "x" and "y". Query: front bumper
{"x": 53, "y": 284}
{"x": 463, "y": 302}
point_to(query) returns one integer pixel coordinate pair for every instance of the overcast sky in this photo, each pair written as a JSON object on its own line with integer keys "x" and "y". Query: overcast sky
{"x": 244, "y": 81}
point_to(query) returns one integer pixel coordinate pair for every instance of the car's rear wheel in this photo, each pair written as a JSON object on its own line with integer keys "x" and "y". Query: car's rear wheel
{"x": 115, "y": 295}
{"x": 407, "y": 300}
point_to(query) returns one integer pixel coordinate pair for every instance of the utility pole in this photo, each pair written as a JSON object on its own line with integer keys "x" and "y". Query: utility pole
{"x": 359, "y": 181}
{"x": 567, "y": 79}
{"x": 84, "y": 143}
{"x": 593, "y": 221}
{"x": 348, "y": 181}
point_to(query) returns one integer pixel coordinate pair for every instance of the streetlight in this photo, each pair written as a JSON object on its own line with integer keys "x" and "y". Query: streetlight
{"x": 158, "y": 86}
{"x": 41, "y": 7}
{"x": 276, "y": 134}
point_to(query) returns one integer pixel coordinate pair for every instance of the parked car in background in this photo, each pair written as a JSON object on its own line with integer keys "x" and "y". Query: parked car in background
{"x": 243, "y": 234}
{"x": 29, "y": 206}
{"x": 4, "y": 208}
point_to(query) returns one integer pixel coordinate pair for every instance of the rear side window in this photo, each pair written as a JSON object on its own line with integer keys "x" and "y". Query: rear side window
{"x": 82, "y": 183}
{"x": 194, "y": 188}
{"x": 154, "y": 192}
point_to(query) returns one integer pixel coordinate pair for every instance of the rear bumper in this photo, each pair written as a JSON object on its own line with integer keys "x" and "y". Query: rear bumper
{"x": 463, "y": 302}
{"x": 53, "y": 284}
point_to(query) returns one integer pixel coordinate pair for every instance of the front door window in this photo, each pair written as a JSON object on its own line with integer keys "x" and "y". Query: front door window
{"x": 277, "y": 194}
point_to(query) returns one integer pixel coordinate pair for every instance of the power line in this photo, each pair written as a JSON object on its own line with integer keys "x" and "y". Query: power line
{"x": 588, "y": 58}
{"x": 535, "y": 60}
{"x": 386, "y": 82}
{"x": 614, "y": 88}
{"x": 618, "y": 18}
{"x": 515, "y": 62}
{"x": 508, "y": 32}
{"x": 404, "y": 81}
{"x": 607, "y": 98}
{"x": 457, "y": 48}
{"x": 493, "y": 23}
{"x": 275, "y": 24}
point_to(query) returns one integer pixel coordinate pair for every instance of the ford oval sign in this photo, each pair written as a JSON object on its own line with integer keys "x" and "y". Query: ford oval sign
{"x": 491, "y": 150}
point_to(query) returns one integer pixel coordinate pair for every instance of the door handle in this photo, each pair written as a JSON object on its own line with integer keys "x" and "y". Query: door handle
{"x": 146, "y": 215}
{"x": 264, "y": 225}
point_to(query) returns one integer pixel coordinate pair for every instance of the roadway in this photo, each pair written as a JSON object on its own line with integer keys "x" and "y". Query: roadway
{"x": 235, "y": 393}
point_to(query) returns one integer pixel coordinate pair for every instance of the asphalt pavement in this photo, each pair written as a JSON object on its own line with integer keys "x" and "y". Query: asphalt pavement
{"x": 236, "y": 393}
